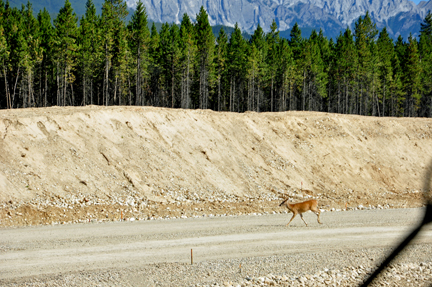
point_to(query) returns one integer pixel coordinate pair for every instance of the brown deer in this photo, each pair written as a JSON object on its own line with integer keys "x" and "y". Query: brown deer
{"x": 299, "y": 208}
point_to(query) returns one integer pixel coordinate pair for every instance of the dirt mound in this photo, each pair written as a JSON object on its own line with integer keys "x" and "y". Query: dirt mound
{"x": 65, "y": 164}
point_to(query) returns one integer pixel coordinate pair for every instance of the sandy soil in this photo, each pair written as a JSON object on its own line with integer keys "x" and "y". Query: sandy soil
{"x": 48, "y": 251}
{"x": 76, "y": 164}
{"x": 120, "y": 168}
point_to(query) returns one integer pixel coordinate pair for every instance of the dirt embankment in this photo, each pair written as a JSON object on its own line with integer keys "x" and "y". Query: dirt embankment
{"x": 104, "y": 163}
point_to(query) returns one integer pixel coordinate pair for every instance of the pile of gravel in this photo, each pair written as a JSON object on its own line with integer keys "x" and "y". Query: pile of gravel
{"x": 329, "y": 268}
{"x": 411, "y": 274}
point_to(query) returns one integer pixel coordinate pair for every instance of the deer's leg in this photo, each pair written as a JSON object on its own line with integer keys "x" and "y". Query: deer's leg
{"x": 301, "y": 215}
{"x": 317, "y": 212}
{"x": 318, "y": 216}
{"x": 294, "y": 215}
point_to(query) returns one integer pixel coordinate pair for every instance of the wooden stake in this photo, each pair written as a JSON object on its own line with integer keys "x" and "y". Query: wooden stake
{"x": 191, "y": 257}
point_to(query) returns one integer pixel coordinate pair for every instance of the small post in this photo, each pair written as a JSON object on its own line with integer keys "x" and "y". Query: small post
{"x": 240, "y": 268}
{"x": 121, "y": 215}
{"x": 302, "y": 186}
{"x": 191, "y": 257}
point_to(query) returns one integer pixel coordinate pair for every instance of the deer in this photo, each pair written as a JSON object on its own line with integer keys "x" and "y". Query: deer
{"x": 299, "y": 208}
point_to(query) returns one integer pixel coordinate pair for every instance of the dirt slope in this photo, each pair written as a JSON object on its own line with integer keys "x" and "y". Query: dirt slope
{"x": 81, "y": 163}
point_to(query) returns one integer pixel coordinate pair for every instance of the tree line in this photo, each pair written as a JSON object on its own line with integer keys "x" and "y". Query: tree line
{"x": 100, "y": 59}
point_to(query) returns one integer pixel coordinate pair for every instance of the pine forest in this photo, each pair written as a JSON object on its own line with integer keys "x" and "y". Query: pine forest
{"x": 102, "y": 59}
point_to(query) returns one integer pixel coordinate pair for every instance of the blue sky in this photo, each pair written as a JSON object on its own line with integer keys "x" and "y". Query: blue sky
{"x": 417, "y": 1}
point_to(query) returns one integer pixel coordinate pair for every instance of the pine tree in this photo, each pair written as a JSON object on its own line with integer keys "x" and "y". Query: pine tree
{"x": 114, "y": 13}
{"x": 425, "y": 47}
{"x": 139, "y": 43}
{"x": 221, "y": 58}
{"x": 188, "y": 54}
{"x": 272, "y": 39}
{"x": 365, "y": 32}
{"x": 33, "y": 53}
{"x": 397, "y": 93}
{"x": 169, "y": 62}
{"x": 237, "y": 58}
{"x": 46, "y": 37}
{"x": 326, "y": 49}
{"x": 65, "y": 50}
{"x": 412, "y": 71}
{"x": 346, "y": 68}
{"x": 163, "y": 63}
{"x": 385, "y": 55}
{"x": 296, "y": 43}
{"x": 154, "y": 68}
{"x": 286, "y": 70}
{"x": 314, "y": 76}
{"x": 4, "y": 56}
{"x": 14, "y": 31}
{"x": 205, "y": 53}
{"x": 258, "y": 67}
{"x": 89, "y": 40}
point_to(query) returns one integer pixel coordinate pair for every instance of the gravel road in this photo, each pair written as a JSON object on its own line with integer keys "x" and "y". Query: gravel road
{"x": 231, "y": 251}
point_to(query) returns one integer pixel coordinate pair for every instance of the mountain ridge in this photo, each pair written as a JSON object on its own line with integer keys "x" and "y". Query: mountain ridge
{"x": 401, "y": 17}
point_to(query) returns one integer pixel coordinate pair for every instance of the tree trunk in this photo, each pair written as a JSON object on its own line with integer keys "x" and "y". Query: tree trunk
{"x": 187, "y": 82}
{"x": 115, "y": 90}
{"x": 45, "y": 89}
{"x": 138, "y": 79}
{"x": 231, "y": 91}
{"x": 384, "y": 99}
{"x": 8, "y": 98}
{"x": 172, "y": 85}
{"x": 58, "y": 84}
{"x": 130, "y": 96}
{"x": 304, "y": 90}
{"x": 14, "y": 90}
{"x": 271, "y": 95}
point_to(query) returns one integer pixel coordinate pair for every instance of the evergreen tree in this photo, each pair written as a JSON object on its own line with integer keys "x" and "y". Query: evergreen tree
{"x": 296, "y": 43}
{"x": 169, "y": 62}
{"x": 46, "y": 37}
{"x": 65, "y": 53}
{"x": 205, "y": 53}
{"x": 14, "y": 32}
{"x": 154, "y": 68}
{"x": 121, "y": 58}
{"x": 188, "y": 54}
{"x": 89, "y": 40}
{"x": 221, "y": 58}
{"x": 4, "y": 56}
{"x": 237, "y": 58}
{"x": 326, "y": 49}
{"x": 365, "y": 32}
{"x": 385, "y": 55}
{"x": 425, "y": 47}
{"x": 114, "y": 13}
{"x": 139, "y": 42}
{"x": 397, "y": 93}
{"x": 163, "y": 63}
{"x": 272, "y": 39}
{"x": 314, "y": 76}
{"x": 33, "y": 54}
{"x": 258, "y": 67}
{"x": 412, "y": 78}
{"x": 286, "y": 70}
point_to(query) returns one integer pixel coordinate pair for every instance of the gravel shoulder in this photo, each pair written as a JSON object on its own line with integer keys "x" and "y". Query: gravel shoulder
{"x": 225, "y": 249}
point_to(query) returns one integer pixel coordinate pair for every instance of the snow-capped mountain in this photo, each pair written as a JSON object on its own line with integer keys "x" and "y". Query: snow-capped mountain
{"x": 400, "y": 16}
